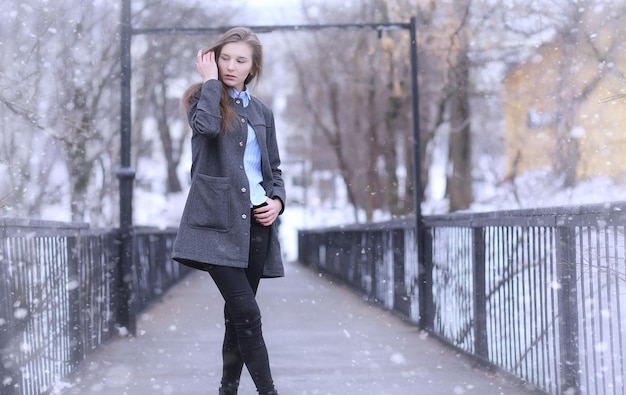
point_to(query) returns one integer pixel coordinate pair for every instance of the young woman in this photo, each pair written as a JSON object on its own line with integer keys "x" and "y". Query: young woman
{"x": 228, "y": 227}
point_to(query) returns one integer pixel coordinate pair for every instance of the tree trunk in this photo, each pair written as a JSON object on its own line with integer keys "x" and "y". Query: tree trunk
{"x": 459, "y": 183}
{"x": 80, "y": 165}
{"x": 396, "y": 205}
{"x": 372, "y": 189}
{"x": 160, "y": 104}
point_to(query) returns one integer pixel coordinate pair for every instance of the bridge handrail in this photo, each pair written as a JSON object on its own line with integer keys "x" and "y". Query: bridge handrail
{"x": 61, "y": 295}
{"x": 537, "y": 293}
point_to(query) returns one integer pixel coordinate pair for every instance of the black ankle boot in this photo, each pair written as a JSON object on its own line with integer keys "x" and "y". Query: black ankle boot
{"x": 228, "y": 391}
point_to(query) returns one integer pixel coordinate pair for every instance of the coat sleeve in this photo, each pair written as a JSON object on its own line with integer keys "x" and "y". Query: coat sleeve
{"x": 204, "y": 110}
{"x": 278, "y": 187}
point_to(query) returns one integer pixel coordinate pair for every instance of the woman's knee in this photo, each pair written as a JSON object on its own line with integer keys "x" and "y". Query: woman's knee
{"x": 244, "y": 312}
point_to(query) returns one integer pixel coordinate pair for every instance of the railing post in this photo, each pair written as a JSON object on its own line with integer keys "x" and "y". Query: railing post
{"x": 74, "y": 314}
{"x": 401, "y": 298}
{"x": 425, "y": 289}
{"x": 10, "y": 373}
{"x": 567, "y": 300}
{"x": 481, "y": 347}
{"x": 371, "y": 245}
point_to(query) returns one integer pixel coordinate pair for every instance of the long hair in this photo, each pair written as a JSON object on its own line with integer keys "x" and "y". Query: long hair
{"x": 236, "y": 34}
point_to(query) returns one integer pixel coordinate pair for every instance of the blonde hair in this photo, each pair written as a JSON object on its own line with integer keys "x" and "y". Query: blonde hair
{"x": 236, "y": 34}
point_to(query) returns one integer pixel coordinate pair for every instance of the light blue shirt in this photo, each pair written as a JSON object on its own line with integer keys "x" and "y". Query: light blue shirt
{"x": 251, "y": 156}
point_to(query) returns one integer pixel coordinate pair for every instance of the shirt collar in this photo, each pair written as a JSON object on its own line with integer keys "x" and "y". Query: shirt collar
{"x": 243, "y": 95}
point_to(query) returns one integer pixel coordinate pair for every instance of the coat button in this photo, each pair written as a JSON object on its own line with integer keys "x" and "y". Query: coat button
{"x": 243, "y": 120}
{"x": 237, "y": 101}
{"x": 243, "y": 190}
{"x": 241, "y": 143}
{"x": 241, "y": 167}
{"x": 244, "y": 216}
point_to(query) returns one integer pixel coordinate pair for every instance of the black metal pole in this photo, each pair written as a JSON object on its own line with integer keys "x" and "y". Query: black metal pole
{"x": 126, "y": 176}
{"x": 479, "y": 246}
{"x": 416, "y": 121}
{"x": 272, "y": 28}
{"x": 425, "y": 275}
{"x": 567, "y": 299}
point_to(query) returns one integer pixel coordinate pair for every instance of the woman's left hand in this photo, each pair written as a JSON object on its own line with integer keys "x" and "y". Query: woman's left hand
{"x": 267, "y": 214}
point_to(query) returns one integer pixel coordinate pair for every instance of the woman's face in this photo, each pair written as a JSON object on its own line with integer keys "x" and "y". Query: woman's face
{"x": 235, "y": 64}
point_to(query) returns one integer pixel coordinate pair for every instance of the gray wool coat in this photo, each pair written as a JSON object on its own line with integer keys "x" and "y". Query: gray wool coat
{"x": 215, "y": 225}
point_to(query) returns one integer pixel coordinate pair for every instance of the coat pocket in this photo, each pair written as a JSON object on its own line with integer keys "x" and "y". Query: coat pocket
{"x": 209, "y": 203}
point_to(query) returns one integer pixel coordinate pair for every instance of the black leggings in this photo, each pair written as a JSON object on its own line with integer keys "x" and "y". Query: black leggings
{"x": 243, "y": 339}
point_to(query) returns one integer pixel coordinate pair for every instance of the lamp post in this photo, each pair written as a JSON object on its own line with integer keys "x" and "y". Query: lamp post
{"x": 126, "y": 174}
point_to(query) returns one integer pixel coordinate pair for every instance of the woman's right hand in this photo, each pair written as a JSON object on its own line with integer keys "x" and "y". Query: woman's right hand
{"x": 207, "y": 65}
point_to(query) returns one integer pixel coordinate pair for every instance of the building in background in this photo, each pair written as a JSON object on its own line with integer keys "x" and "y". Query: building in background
{"x": 531, "y": 106}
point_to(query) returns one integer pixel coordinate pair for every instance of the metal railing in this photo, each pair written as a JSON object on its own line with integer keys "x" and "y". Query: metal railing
{"x": 538, "y": 294}
{"x": 61, "y": 295}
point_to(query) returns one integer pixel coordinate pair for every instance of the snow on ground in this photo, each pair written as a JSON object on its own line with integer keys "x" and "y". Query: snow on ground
{"x": 534, "y": 189}
{"x": 539, "y": 189}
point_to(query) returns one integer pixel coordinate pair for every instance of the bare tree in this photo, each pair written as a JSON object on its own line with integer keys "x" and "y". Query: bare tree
{"x": 161, "y": 60}
{"x": 60, "y": 84}
{"x": 86, "y": 73}
{"x": 351, "y": 93}
{"x": 456, "y": 41}
{"x": 27, "y": 146}
{"x": 459, "y": 183}
{"x": 578, "y": 47}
